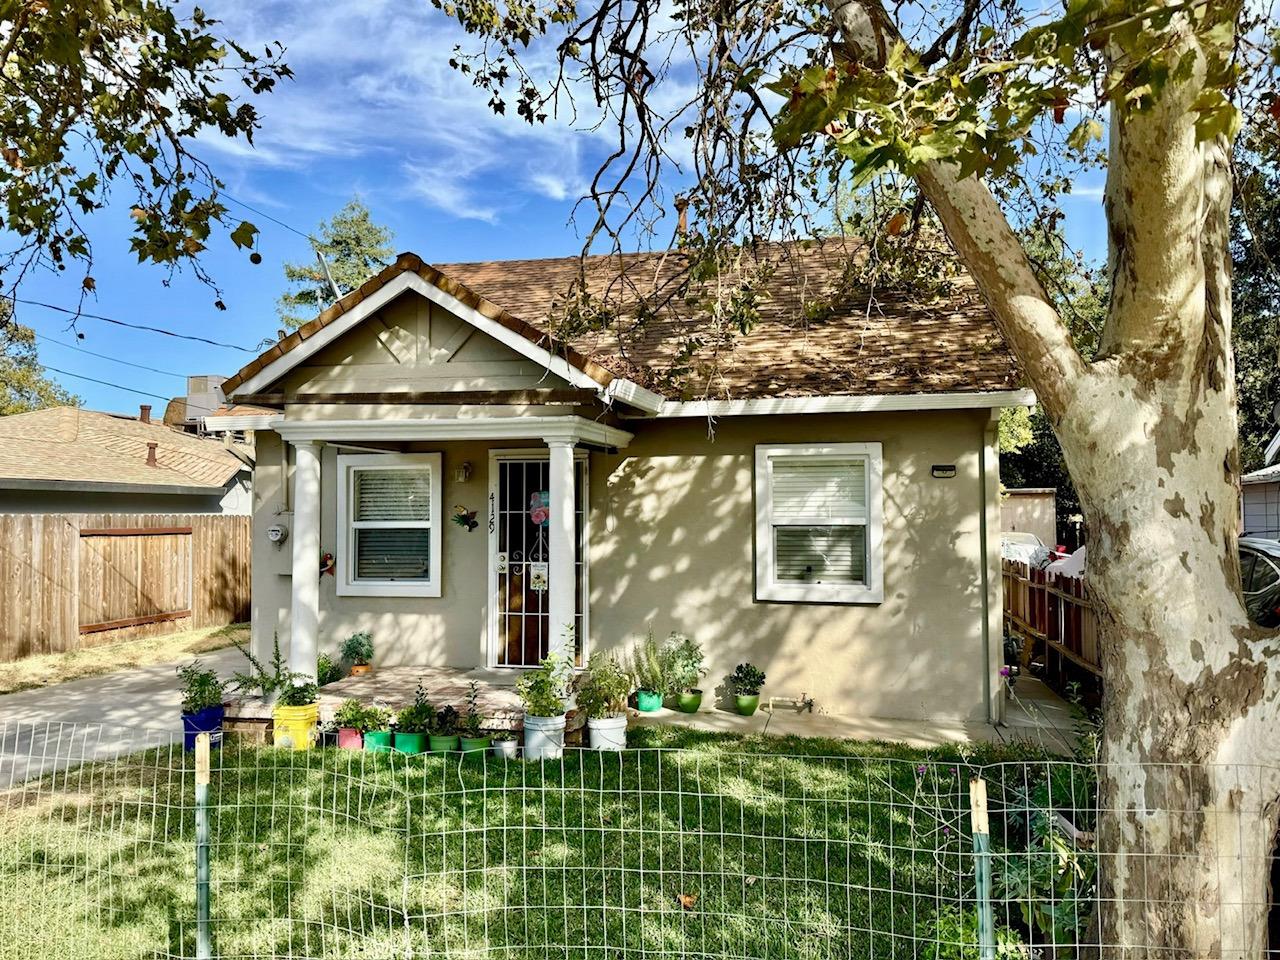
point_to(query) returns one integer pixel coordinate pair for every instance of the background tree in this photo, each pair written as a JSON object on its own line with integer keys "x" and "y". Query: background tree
{"x": 1255, "y": 254}
{"x": 102, "y": 96}
{"x": 992, "y": 107}
{"x": 23, "y": 385}
{"x": 355, "y": 247}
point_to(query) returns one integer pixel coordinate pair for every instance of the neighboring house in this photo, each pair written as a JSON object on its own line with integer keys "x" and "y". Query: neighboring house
{"x": 70, "y": 460}
{"x": 818, "y": 496}
{"x": 1031, "y": 510}
{"x": 1260, "y": 503}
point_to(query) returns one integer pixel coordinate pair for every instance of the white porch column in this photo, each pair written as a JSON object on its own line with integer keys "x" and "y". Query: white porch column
{"x": 562, "y": 546}
{"x": 305, "y": 607}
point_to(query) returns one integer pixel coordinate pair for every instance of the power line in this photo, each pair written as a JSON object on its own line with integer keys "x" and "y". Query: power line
{"x": 134, "y": 326}
{"x": 105, "y": 383}
{"x": 103, "y": 356}
{"x": 266, "y": 216}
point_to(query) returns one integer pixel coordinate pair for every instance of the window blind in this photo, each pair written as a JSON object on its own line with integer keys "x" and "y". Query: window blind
{"x": 814, "y": 490}
{"x": 820, "y": 554}
{"x": 393, "y": 495}
{"x": 391, "y": 553}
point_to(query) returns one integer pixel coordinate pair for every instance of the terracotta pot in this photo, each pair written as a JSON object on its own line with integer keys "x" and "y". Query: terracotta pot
{"x": 359, "y": 669}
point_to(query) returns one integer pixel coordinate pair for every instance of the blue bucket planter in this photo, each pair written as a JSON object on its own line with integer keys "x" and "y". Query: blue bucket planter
{"x": 208, "y": 720}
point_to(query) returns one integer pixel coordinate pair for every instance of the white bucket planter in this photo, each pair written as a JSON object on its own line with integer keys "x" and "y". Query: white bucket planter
{"x": 543, "y": 737}
{"x": 608, "y": 733}
{"x": 506, "y": 749}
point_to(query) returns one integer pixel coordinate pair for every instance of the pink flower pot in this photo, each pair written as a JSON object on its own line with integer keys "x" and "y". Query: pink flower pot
{"x": 349, "y": 738}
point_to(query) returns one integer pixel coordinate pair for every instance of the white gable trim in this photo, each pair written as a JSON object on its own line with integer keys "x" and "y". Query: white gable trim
{"x": 403, "y": 283}
{"x": 1273, "y": 448}
{"x": 571, "y": 428}
{"x": 864, "y": 403}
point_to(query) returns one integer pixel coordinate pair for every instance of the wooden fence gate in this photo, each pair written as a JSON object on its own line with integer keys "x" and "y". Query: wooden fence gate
{"x": 75, "y": 580}
{"x": 1055, "y": 612}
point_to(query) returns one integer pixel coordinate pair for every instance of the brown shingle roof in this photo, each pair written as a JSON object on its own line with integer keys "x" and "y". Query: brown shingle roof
{"x": 891, "y": 343}
{"x": 73, "y": 445}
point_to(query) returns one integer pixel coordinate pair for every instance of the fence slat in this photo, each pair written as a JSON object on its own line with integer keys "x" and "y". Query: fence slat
{"x": 1052, "y": 610}
{"x": 123, "y": 575}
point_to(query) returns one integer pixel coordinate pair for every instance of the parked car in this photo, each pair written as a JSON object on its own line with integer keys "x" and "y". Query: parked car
{"x": 1260, "y": 578}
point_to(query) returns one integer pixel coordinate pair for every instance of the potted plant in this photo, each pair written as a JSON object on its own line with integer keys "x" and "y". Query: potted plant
{"x": 505, "y": 745}
{"x": 377, "y": 730}
{"x": 202, "y": 708}
{"x": 444, "y": 730}
{"x": 649, "y": 672}
{"x": 414, "y": 723}
{"x": 473, "y": 740}
{"x": 269, "y": 683}
{"x": 351, "y": 719}
{"x": 601, "y": 693}
{"x": 746, "y": 681}
{"x": 682, "y": 666}
{"x": 327, "y": 670}
{"x": 296, "y": 716}
{"x": 544, "y": 691}
{"x": 357, "y": 650}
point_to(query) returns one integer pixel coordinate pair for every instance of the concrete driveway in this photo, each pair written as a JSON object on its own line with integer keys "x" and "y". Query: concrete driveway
{"x": 95, "y": 718}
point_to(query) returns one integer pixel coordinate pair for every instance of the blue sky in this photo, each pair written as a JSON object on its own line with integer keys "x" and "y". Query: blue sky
{"x": 374, "y": 110}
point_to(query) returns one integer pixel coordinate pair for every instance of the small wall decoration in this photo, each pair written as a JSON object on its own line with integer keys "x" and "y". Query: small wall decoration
{"x": 538, "y": 577}
{"x": 465, "y": 518}
{"x": 540, "y": 508}
{"x": 327, "y": 564}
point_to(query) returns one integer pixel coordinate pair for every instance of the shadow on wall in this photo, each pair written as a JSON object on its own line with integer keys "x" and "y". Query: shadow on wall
{"x": 673, "y": 551}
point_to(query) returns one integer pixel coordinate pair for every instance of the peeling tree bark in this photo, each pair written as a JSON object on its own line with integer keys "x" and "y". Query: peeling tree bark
{"x": 1189, "y": 784}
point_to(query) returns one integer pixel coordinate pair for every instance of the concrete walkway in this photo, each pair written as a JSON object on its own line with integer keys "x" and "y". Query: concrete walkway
{"x": 1035, "y": 715}
{"x": 95, "y": 718}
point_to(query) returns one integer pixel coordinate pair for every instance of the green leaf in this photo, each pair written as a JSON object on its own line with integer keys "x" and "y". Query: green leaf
{"x": 243, "y": 235}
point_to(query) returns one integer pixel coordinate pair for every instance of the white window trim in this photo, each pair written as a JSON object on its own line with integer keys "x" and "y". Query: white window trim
{"x": 767, "y": 585}
{"x": 348, "y": 585}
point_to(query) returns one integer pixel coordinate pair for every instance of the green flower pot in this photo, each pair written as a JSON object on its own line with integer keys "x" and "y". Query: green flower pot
{"x": 689, "y": 701}
{"x": 411, "y": 742}
{"x": 475, "y": 744}
{"x": 647, "y": 701}
{"x": 747, "y": 705}
{"x": 443, "y": 744}
{"x": 377, "y": 741}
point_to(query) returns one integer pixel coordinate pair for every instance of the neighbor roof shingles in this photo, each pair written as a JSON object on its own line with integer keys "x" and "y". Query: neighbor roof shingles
{"x": 73, "y": 445}
{"x": 892, "y": 342}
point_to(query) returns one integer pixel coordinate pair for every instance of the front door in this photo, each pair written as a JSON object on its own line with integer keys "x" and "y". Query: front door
{"x": 519, "y": 559}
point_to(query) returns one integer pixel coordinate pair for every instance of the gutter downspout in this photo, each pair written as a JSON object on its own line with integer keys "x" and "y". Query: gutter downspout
{"x": 988, "y": 461}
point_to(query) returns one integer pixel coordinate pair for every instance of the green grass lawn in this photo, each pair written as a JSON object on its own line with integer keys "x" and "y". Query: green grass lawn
{"x": 724, "y": 847}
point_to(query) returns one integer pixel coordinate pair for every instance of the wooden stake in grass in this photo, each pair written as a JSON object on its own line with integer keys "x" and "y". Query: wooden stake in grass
{"x": 204, "y": 944}
{"x": 982, "y": 866}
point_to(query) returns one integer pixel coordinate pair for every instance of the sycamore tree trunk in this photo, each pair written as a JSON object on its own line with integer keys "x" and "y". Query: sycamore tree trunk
{"x": 1188, "y": 781}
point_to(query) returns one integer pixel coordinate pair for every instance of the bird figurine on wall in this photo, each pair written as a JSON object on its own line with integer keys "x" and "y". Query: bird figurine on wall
{"x": 465, "y": 518}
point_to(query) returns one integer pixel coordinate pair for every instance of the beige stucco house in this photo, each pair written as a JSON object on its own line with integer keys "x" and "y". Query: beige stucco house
{"x": 818, "y": 495}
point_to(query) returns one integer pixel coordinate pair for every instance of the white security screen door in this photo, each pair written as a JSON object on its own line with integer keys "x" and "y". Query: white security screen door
{"x": 519, "y": 559}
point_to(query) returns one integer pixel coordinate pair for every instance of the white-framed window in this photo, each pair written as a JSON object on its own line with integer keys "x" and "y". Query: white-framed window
{"x": 389, "y": 519}
{"x": 819, "y": 523}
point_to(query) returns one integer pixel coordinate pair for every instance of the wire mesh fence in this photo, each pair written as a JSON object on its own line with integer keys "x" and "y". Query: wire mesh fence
{"x": 725, "y": 851}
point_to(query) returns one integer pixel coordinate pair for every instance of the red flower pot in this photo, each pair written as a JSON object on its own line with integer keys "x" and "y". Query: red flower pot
{"x": 349, "y": 738}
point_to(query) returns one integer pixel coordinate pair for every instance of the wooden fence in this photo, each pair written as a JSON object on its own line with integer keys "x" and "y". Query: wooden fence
{"x": 1054, "y": 612}
{"x": 69, "y": 581}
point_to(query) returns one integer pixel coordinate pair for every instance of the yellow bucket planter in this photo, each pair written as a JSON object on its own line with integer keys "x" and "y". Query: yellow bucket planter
{"x": 295, "y": 727}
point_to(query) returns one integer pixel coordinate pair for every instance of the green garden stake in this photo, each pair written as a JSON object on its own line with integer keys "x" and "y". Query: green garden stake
{"x": 982, "y": 866}
{"x": 204, "y": 945}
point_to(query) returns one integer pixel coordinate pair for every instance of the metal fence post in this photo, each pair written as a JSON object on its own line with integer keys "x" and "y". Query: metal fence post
{"x": 982, "y": 866}
{"x": 204, "y": 945}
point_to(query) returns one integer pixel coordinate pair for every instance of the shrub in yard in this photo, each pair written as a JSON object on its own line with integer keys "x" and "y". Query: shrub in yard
{"x": 648, "y": 666}
{"x": 328, "y": 670}
{"x": 473, "y": 720}
{"x": 298, "y": 695}
{"x": 357, "y": 649}
{"x": 746, "y": 680}
{"x": 419, "y": 716}
{"x": 201, "y": 688}
{"x": 353, "y": 715}
{"x": 268, "y": 682}
{"x": 545, "y": 689}
{"x": 682, "y": 659}
{"x": 602, "y": 690}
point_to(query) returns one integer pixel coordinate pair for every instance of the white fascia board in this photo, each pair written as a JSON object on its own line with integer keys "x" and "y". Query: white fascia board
{"x": 634, "y": 395}
{"x": 389, "y": 291}
{"x": 575, "y": 429}
{"x": 243, "y": 421}
{"x": 871, "y": 403}
{"x": 1273, "y": 448}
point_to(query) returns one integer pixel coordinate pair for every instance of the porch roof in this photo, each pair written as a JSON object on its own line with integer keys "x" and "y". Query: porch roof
{"x": 573, "y": 429}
